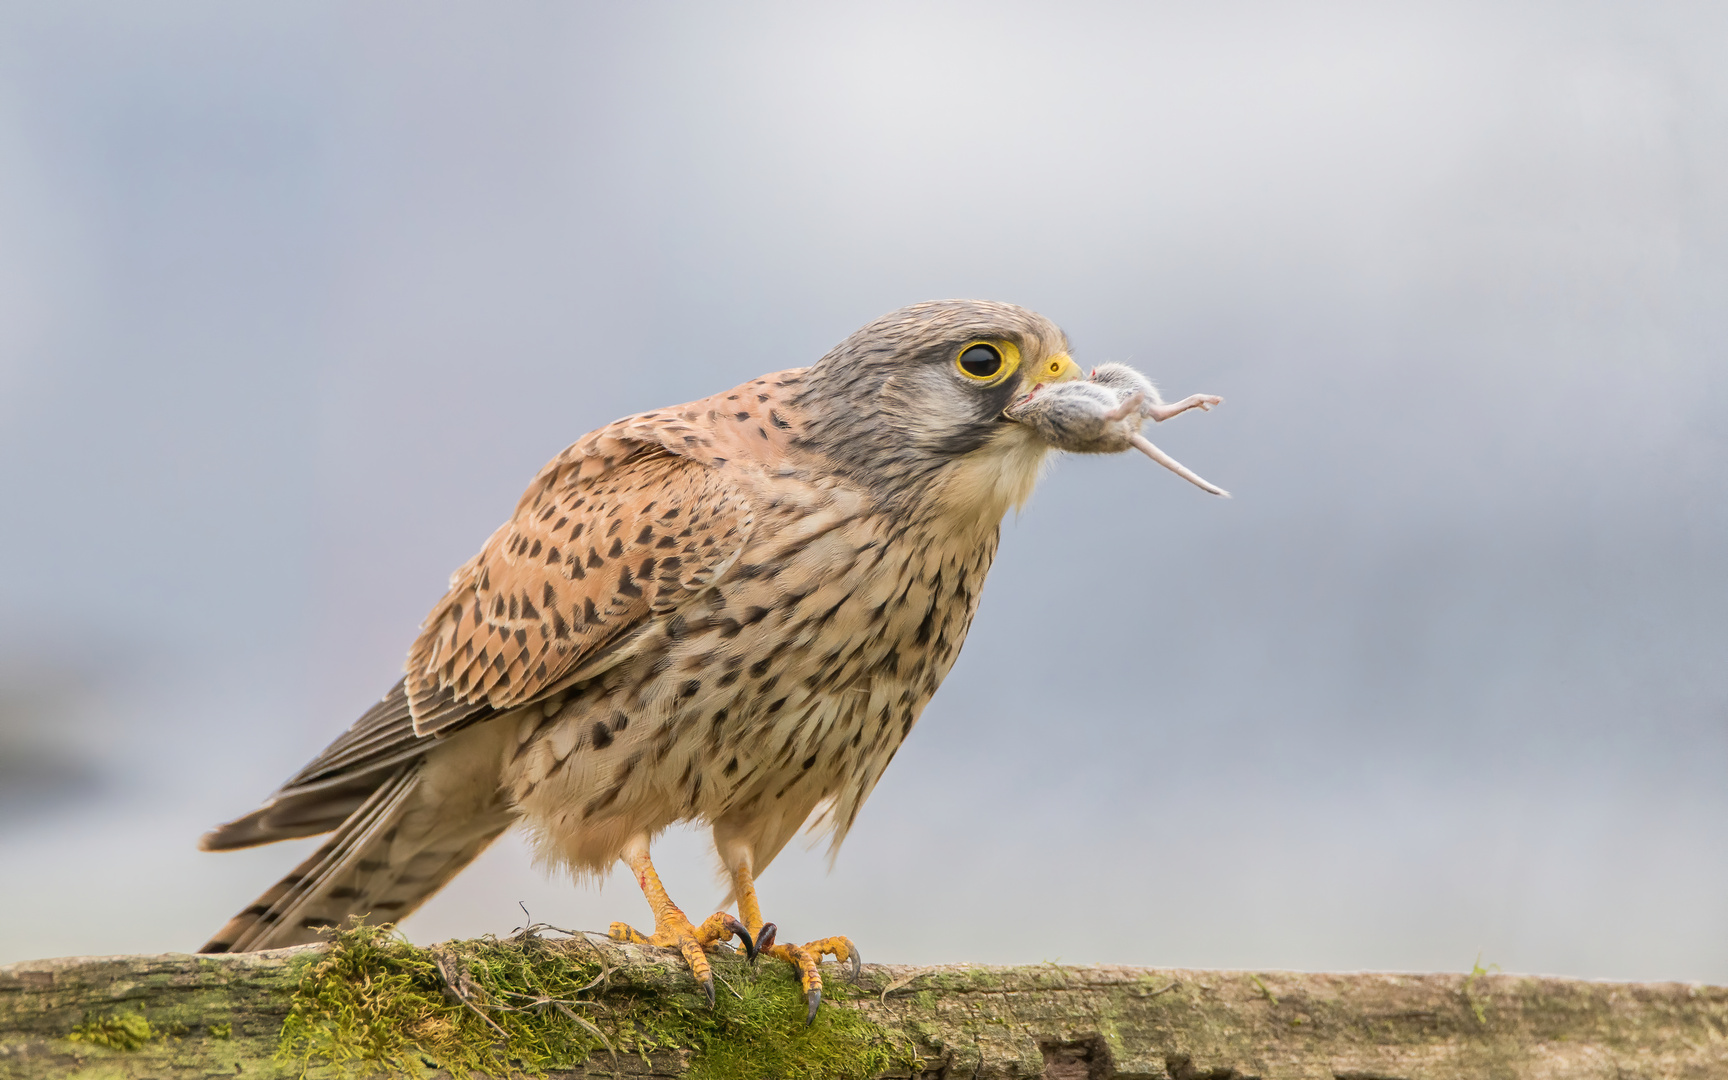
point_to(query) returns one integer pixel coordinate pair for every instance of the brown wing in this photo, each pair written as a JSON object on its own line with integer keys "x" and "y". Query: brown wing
{"x": 623, "y": 524}
{"x": 599, "y": 543}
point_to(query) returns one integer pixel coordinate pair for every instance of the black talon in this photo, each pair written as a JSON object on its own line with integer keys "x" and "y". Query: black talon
{"x": 708, "y": 988}
{"x": 733, "y": 926}
{"x": 764, "y": 938}
{"x": 814, "y": 997}
{"x": 857, "y": 962}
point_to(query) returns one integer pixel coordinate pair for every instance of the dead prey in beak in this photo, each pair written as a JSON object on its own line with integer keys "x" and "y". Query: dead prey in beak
{"x": 1103, "y": 414}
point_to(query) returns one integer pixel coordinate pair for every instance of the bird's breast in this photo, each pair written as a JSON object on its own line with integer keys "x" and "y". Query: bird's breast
{"x": 791, "y": 680}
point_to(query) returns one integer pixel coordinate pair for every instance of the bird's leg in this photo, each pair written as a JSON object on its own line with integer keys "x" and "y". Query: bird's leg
{"x": 671, "y": 927}
{"x": 803, "y": 957}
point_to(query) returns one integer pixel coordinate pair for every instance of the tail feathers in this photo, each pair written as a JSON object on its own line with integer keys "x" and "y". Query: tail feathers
{"x": 303, "y": 813}
{"x": 393, "y": 852}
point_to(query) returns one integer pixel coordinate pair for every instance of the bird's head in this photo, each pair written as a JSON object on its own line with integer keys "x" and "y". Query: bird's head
{"x": 959, "y": 400}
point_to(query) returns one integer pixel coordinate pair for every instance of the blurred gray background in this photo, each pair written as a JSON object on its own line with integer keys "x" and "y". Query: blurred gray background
{"x": 295, "y": 299}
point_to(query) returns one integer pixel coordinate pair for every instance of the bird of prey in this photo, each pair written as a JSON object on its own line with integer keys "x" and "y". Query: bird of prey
{"x": 731, "y": 611}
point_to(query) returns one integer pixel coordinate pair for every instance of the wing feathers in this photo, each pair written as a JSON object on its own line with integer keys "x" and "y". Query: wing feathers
{"x": 335, "y": 783}
{"x": 622, "y": 528}
{"x": 591, "y": 554}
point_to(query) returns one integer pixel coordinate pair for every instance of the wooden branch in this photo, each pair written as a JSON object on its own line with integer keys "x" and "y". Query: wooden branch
{"x": 208, "y": 1016}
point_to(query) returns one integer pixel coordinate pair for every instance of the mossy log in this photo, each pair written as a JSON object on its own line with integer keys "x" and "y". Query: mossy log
{"x": 208, "y": 1016}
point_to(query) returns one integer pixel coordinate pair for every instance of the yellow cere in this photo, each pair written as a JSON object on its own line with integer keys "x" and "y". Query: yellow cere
{"x": 1059, "y": 368}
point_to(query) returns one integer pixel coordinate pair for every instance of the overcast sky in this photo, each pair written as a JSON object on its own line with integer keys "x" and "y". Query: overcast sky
{"x": 296, "y": 298}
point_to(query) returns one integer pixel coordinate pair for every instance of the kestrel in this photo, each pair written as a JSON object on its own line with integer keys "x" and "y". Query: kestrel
{"x": 731, "y": 611}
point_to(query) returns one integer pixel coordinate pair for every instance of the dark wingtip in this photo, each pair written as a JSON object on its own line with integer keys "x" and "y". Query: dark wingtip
{"x": 814, "y": 997}
{"x": 216, "y": 947}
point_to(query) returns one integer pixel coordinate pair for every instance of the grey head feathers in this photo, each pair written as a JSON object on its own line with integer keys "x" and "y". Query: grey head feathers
{"x": 886, "y": 405}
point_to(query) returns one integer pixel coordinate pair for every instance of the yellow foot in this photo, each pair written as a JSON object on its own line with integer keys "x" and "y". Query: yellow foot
{"x": 693, "y": 941}
{"x": 805, "y": 958}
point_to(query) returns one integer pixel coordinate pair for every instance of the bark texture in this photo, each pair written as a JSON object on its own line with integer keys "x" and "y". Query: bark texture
{"x": 209, "y": 1016}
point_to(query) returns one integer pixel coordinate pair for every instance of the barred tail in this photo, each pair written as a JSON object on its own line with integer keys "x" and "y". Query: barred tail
{"x": 386, "y": 859}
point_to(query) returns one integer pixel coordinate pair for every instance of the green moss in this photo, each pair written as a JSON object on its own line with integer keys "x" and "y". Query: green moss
{"x": 1474, "y": 1000}
{"x": 117, "y": 1031}
{"x": 762, "y": 1033}
{"x": 376, "y": 1004}
{"x": 1264, "y": 990}
{"x": 222, "y": 1031}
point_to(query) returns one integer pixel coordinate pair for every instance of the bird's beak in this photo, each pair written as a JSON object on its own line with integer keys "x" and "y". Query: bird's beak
{"x": 1057, "y": 368}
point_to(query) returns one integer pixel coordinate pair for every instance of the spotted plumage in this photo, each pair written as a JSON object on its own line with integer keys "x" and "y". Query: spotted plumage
{"x": 731, "y": 611}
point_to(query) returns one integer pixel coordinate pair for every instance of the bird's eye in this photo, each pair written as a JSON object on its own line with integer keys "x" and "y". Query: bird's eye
{"x": 981, "y": 361}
